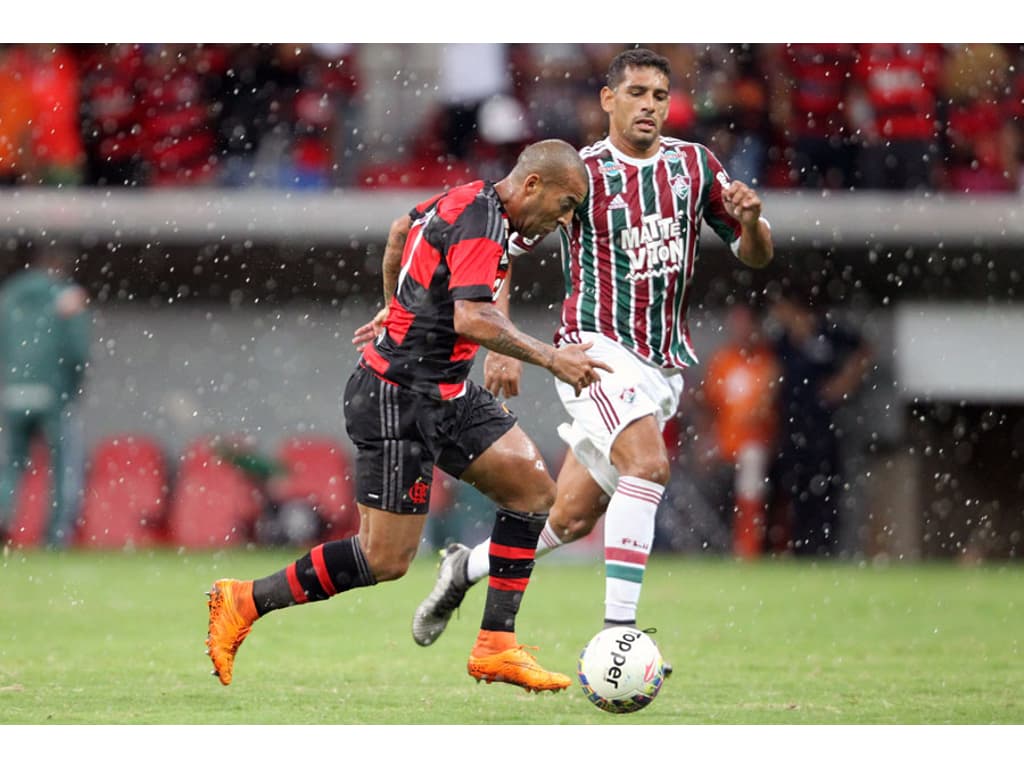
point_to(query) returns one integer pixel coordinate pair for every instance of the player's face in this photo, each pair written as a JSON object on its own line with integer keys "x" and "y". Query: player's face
{"x": 550, "y": 205}
{"x": 636, "y": 110}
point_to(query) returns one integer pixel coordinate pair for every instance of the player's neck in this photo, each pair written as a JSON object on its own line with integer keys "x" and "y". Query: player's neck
{"x": 633, "y": 151}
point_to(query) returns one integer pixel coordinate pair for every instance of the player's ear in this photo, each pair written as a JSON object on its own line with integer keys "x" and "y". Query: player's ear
{"x": 607, "y": 97}
{"x": 532, "y": 184}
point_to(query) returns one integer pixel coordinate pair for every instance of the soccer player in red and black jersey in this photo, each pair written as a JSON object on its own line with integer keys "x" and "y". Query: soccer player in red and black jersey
{"x": 628, "y": 255}
{"x": 410, "y": 406}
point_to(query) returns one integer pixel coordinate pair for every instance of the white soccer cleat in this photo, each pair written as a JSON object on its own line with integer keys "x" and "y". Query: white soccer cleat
{"x": 432, "y": 615}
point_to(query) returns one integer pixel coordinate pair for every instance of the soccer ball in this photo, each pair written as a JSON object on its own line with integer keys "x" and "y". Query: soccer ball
{"x": 621, "y": 670}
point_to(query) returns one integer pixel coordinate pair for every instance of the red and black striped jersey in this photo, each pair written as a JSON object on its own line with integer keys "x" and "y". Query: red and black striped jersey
{"x": 456, "y": 250}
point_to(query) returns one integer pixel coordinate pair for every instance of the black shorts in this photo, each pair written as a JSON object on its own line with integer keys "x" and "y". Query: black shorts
{"x": 400, "y": 435}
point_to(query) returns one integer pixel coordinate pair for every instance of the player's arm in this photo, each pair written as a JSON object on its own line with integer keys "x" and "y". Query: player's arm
{"x": 744, "y": 204}
{"x": 502, "y": 373}
{"x": 393, "y": 248}
{"x": 482, "y": 322}
{"x": 850, "y": 376}
{"x": 398, "y": 233}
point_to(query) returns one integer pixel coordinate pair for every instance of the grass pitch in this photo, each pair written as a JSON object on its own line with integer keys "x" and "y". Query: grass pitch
{"x": 117, "y": 639}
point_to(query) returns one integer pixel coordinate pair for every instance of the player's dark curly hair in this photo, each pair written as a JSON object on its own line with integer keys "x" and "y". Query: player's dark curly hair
{"x": 635, "y": 57}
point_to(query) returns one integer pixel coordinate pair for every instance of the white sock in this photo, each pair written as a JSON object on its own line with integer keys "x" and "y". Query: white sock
{"x": 479, "y": 564}
{"x": 628, "y": 536}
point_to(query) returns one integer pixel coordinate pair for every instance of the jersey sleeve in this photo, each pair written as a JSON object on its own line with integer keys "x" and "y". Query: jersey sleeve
{"x": 474, "y": 254}
{"x": 420, "y": 210}
{"x": 724, "y": 225}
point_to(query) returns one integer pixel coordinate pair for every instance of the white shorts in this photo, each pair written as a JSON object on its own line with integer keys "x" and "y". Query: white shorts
{"x": 601, "y": 411}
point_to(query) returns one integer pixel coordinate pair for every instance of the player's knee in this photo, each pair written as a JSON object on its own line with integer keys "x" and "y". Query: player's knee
{"x": 533, "y": 493}
{"x": 654, "y": 469}
{"x": 388, "y": 567}
{"x": 541, "y": 498}
{"x": 569, "y": 527}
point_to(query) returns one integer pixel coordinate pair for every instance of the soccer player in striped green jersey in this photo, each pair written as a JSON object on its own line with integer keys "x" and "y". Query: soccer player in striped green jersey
{"x": 628, "y": 259}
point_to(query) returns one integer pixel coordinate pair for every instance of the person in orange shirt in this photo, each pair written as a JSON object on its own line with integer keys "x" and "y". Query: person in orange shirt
{"x": 16, "y": 113}
{"x": 740, "y": 391}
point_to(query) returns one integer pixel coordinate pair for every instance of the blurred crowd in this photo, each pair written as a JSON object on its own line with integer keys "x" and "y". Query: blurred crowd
{"x": 826, "y": 116}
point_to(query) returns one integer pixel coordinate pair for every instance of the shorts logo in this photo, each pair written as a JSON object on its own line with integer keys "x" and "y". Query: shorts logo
{"x": 419, "y": 491}
{"x": 628, "y": 395}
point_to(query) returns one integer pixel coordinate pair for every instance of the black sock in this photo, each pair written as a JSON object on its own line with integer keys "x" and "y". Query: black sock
{"x": 512, "y": 549}
{"x": 324, "y": 571}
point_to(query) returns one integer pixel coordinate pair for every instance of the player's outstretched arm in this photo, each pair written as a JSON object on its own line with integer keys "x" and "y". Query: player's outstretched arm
{"x": 487, "y": 326}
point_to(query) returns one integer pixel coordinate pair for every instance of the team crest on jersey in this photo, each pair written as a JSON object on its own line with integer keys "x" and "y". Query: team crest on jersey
{"x": 680, "y": 185}
{"x": 617, "y": 203}
{"x": 628, "y": 395}
{"x": 610, "y": 166}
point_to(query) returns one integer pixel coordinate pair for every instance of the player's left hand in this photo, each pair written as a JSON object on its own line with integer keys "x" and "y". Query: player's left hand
{"x": 502, "y": 374}
{"x": 742, "y": 203}
{"x": 365, "y": 334}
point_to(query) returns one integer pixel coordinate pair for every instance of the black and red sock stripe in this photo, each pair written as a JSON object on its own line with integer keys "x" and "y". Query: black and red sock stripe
{"x": 512, "y": 551}
{"x": 324, "y": 571}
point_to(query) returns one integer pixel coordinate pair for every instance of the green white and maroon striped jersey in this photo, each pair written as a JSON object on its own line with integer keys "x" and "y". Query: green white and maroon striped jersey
{"x": 629, "y": 255}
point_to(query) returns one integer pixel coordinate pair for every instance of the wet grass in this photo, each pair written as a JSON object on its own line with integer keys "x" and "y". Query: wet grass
{"x": 117, "y": 639}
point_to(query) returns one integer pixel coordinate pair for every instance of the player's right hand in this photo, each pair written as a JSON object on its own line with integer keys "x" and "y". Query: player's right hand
{"x": 572, "y": 365}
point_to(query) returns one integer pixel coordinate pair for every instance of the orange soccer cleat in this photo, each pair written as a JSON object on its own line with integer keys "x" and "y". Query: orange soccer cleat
{"x": 232, "y": 612}
{"x": 518, "y": 667}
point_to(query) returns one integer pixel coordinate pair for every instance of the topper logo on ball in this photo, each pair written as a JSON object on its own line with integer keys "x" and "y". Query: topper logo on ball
{"x": 614, "y": 673}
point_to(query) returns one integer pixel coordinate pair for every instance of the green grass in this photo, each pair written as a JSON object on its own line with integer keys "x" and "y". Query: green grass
{"x": 118, "y": 639}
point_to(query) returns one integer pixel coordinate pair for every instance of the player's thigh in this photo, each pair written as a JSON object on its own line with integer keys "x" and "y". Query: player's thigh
{"x": 639, "y": 450}
{"x": 512, "y": 473}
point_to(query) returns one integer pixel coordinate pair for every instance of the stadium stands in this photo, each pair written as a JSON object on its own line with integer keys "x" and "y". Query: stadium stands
{"x": 214, "y": 503}
{"x": 126, "y": 495}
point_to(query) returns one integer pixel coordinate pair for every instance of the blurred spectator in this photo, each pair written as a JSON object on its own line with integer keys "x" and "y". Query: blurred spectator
{"x": 822, "y": 365}
{"x": 740, "y": 387}
{"x": 176, "y": 128}
{"x": 16, "y": 114}
{"x": 894, "y": 106}
{"x": 315, "y": 113}
{"x": 808, "y": 84}
{"x": 695, "y": 514}
{"x": 250, "y": 122}
{"x": 982, "y": 140}
{"x": 469, "y": 73}
{"x": 336, "y": 77}
{"x": 551, "y": 80}
{"x": 689, "y": 78}
{"x": 817, "y": 115}
{"x": 734, "y": 114}
{"x": 44, "y": 350}
{"x": 110, "y": 114}
{"x": 58, "y": 157}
